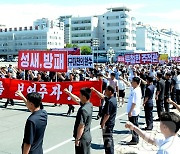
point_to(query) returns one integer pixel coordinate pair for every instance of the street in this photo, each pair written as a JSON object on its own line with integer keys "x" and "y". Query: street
{"x": 58, "y": 136}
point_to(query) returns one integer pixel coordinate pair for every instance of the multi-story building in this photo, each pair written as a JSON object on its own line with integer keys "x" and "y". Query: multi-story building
{"x": 151, "y": 39}
{"x": 175, "y": 42}
{"x": 67, "y": 28}
{"x": 119, "y": 29}
{"x": 114, "y": 29}
{"x": 44, "y": 34}
{"x": 80, "y": 30}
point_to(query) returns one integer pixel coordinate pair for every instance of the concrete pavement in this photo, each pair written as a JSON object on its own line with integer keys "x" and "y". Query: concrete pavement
{"x": 58, "y": 136}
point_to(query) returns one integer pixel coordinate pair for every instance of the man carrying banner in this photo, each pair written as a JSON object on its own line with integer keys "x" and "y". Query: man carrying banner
{"x": 82, "y": 124}
{"x": 35, "y": 124}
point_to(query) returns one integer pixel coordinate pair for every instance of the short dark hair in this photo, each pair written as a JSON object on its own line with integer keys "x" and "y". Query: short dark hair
{"x": 110, "y": 88}
{"x": 171, "y": 120}
{"x": 136, "y": 79}
{"x": 168, "y": 74}
{"x": 113, "y": 74}
{"x": 99, "y": 74}
{"x": 159, "y": 75}
{"x": 150, "y": 79}
{"x": 86, "y": 92}
{"x": 34, "y": 98}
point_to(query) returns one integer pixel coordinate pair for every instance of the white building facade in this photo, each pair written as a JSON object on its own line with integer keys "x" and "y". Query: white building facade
{"x": 43, "y": 35}
{"x": 150, "y": 39}
{"x": 119, "y": 29}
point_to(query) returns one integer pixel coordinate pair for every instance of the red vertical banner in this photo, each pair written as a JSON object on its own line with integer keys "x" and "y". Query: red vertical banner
{"x": 55, "y": 61}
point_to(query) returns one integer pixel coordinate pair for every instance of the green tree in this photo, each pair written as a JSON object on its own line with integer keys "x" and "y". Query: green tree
{"x": 86, "y": 50}
{"x": 75, "y": 46}
{"x": 69, "y": 45}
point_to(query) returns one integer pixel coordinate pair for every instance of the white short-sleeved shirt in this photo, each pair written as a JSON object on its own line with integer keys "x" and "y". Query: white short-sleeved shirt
{"x": 121, "y": 85}
{"x": 135, "y": 97}
{"x": 113, "y": 83}
{"x": 169, "y": 145}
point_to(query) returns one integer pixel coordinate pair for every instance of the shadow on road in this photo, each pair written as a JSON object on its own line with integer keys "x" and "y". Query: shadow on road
{"x": 97, "y": 146}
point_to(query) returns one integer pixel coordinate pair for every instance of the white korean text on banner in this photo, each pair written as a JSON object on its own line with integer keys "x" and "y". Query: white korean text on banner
{"x": 55, "y": 61}
{"x": 141, "y": 58}
{"x": 80, "y": 61}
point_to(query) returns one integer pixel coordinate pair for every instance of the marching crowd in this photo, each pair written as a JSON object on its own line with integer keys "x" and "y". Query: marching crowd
{"x": 146, "y": 83}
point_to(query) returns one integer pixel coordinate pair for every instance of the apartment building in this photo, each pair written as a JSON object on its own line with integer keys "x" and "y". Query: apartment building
{"x": 152, "y": 39}
{"x": 44, "y": 34}
{"x": 119, "y": 29}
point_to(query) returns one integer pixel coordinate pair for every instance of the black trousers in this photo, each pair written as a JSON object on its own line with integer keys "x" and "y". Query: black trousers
{"x": 7, "y": 102}
{"x": 160, "y": 109}
{"x": 143, "y": 91}
{"x": 84, "y": 147}
{"x": 135, "y": 136}
{"x": 166, "y": 105}
{"x": 100, "y": 108}
{"x": 178, "y": 96}
{"x": 108, "y": 140}
{"x": 148, "y": 108}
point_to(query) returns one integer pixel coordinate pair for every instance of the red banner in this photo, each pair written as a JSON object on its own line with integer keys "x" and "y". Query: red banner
{"x": 121, "y": 59}
{"x": 176, "y": 59}
{"x": 141, "y": 58}
{"x": 71, "y": 51}
{"x": 55, "y": 61}
{"x": 51, "y": 92}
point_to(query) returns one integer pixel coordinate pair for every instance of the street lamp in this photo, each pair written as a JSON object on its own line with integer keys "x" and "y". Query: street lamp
{"x": 110, "y": 54}
{"x": 95, "y": 44}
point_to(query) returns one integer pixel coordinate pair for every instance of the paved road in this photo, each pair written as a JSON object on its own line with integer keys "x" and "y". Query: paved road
{"x": 58, "y": 136}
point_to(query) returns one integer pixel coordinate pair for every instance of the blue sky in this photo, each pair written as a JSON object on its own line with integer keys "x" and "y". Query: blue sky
{"x": 159, "y": 13}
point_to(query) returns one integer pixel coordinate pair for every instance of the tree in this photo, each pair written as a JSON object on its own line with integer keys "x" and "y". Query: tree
{"x": 68, "y": 45}
{"x": 86, "y": 50}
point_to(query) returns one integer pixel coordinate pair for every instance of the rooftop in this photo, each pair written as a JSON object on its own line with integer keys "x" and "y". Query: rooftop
{"x": 117, "y": 9}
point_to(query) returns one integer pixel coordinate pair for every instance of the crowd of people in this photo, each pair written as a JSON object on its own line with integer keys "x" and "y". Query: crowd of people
{"x": 146, "y": 83}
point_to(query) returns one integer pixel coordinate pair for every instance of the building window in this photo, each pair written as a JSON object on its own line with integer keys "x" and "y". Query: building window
{"x": 124, "y": 30}
{"x": 124, "y": 44}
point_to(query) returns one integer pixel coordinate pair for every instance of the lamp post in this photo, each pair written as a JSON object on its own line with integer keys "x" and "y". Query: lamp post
{"x": 95, "y": 44}
{"x": 110, "y": 54}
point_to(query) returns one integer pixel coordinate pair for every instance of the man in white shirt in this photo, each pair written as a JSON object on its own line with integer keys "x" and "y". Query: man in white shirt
{"x": 133, "y": 107}
{"x": 169, "y": 126}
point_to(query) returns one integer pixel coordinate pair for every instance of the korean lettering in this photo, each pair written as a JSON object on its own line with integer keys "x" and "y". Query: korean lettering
{"x": 1, "y": 87}
{"x": 58, "y": 61}
{"x": 25, "y": 60}
{"x": 31, "y": 89}
{"x": 20, "y": 87}
{"x": 34, "y": 60}
{"x": 43, "y": 90}
{"x": 48, "y": 58}
{"x": 56, "y": 91}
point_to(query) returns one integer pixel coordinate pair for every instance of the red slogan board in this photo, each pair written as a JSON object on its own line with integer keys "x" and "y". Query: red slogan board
{"x": 51, "y": 92}
{"x": 55, "y": 61}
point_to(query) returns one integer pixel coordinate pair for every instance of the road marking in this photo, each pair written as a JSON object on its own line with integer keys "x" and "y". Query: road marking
{"x": 69, "y": 140}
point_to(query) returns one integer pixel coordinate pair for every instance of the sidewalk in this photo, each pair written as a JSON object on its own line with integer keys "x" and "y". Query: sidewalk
{"x": 143, "y": 147}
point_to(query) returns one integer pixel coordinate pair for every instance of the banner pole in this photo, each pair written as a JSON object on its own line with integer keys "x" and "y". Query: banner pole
{"x": 24, "y": 75}
{"x": 56, "y": 76}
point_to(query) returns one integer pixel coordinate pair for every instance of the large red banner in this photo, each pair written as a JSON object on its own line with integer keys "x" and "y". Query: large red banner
{"x": 55, "y": 61}
{"x": 51, "y": 92}
{"x": 141, "y": 58}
